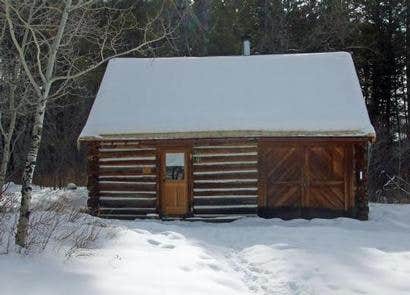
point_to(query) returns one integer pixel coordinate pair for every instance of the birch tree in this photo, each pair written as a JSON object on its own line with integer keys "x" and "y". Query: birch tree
{"x": 67, "y": 40}
{"x": 15, "y": 99}
{"x": 15, "y": 105}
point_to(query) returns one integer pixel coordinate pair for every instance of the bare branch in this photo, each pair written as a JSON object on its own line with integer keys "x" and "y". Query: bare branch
{"x": 20, "y": 49}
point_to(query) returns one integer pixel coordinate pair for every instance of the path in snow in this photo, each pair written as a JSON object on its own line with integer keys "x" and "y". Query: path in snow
{"x": 340, "y": 256}
{"x": 248, "y": 256}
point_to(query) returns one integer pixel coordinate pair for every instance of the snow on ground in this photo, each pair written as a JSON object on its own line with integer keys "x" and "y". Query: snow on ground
{"x": 45, "y": 195}
{"x": 248, "y": 256}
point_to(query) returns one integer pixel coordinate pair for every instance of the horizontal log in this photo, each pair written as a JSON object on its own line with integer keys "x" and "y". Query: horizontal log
{"x": 127, "y": 194}
{"x": 217, "y": 159}
{"x": 225, "y": 167}
{"x": 125, "y": 149}
{"x": 108, "y": 171}
{"x": 127, "y": 154}
{"x": 125, "y": 145}
{"x": 125, "y": 167}
{"x": 126, "y": 182}
{"x": 142, "y": 162}
{"x": 223, "y": 201}
{"x": 220, "y": 218}
{"x": 149, "y": 178}
{"x": 222, "y": 176}
{"x": 224, "y": 150}
{"x": 129, "y": 216}
{"x": 126, "y": 187}
{"x": 237, "y": 184}
{"x": 224, "y": 142}
{"x": 225, "y": 210}
{"x": 247, "y": 192}
{"x": 103, "y": 210}
{"x": 127, "y": 202}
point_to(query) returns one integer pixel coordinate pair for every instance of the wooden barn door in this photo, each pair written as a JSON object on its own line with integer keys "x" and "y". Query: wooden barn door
{"x": 174, "y": 184}
{"x": 302, "y": 178}
{"x": 282, "y": 179}
{"x": 329, "y": 177}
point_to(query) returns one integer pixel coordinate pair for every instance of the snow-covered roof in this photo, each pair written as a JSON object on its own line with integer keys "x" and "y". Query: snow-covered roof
{"x": 264, "y": 95}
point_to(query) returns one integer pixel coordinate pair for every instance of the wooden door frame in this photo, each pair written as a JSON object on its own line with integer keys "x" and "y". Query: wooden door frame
{"x": 161, "y": 151}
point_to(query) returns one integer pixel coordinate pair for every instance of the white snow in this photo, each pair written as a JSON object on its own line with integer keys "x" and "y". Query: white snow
{"x": 299, "y": 93}
{"x": 248, "y": 256}
{"x": 43, "y": 196}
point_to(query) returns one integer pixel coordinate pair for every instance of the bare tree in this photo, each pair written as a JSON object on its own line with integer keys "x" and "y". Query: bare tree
{"x": 67, "y": 40}
{"x": 14, "y": 106}
{"x": 15, "y": 99}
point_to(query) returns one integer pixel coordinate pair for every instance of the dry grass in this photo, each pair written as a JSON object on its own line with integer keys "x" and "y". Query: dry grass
{"x": 55, "y": 225}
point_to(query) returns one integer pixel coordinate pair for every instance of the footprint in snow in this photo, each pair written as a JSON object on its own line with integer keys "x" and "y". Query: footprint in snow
{"x": 153, "y": 242}
{"x": 186, "y": 268}
{"x": 157, "y": 243}
{"x": 168, "y": 246}
{"x": 212, "y": 266}
{"x": 172, "y": 235}
{"x": 205, "y": 257}
{"x": 255, "y": 269}
{"x": 141, "y": 231}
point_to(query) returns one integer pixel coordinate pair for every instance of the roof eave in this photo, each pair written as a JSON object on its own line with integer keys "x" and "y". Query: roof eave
{"x": 371, "y": 137}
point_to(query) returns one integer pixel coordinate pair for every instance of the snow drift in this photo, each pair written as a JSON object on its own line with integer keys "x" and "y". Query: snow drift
{"x": 248, "y": 256}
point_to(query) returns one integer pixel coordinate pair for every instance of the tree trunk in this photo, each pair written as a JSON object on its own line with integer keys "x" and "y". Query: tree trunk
{"x": 5, "y": 159}
{"x": 27, "y": 179}
{"x": 408, "y": 71}
{"x": 7, "y": 149}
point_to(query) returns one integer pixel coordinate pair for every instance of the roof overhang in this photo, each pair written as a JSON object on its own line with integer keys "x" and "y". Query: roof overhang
{"x": 342, "y": 134}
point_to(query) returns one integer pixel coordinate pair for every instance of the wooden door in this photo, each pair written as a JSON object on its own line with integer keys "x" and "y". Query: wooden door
{"x": 328, "y": 177}
{"x": 297, "y": 177}
{"x": 282, "y": 175}
{"x": 174, "y": 183}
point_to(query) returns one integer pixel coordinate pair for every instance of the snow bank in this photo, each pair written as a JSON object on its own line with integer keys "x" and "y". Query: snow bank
{"x": 43, "y": 196}
{"x": 273, "y": 93}
{"x": 248, "y": 256}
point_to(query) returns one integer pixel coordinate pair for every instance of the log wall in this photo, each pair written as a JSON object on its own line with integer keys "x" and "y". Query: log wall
{"x": 233, "y": 177}
{"x": 225, "y": 179}
{"x": 127, "y": 180}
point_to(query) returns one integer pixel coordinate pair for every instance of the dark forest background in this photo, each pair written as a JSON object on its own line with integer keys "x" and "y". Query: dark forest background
{"x": 374, "y": 32}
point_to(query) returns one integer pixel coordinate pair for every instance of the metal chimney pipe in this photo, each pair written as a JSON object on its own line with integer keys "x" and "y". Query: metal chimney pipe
{"x": 246, "y": 46}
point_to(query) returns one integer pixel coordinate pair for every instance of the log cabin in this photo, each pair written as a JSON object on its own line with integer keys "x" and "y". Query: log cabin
{"x": 219, "y": 137}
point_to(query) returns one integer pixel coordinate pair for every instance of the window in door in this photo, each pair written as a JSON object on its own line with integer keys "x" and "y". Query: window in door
{"x": 175, "y": 166}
